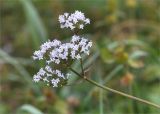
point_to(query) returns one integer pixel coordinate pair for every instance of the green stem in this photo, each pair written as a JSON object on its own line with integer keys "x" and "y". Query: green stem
{"x": 115, "y": 91}
{"x": 82, "y": 67}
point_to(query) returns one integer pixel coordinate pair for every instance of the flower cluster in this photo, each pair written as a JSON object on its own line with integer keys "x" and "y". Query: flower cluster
{"x": 57, "y": 53}
{"x": 74, "y": 20}
{"x": 50, "y": 76}
{"x": 44, "y": 48}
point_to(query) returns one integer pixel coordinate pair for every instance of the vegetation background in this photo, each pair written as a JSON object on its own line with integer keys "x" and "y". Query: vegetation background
{"x": 125, "y": 56}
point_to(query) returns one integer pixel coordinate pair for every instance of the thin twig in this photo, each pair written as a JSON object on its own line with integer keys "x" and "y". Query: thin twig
{"x": 115, "y": 91}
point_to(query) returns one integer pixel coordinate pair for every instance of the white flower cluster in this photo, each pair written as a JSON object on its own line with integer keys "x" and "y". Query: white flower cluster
{"x": 74, "y": 20}
{"x": 57, "y": 53}
{"x": 50, "y": 76}
{"x": 44, "y": 48}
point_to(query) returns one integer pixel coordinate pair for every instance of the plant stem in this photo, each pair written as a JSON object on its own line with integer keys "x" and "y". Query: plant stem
{"x": 115, "y": 91}
{"x": 83, "y": 74}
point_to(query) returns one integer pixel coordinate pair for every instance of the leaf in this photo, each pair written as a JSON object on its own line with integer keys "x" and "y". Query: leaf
{"x": 113, "y": 45}
{"x": 135, "y": 63}
{"x": 30, "y": 109}
{"x": 135, "y": 42}
{"x": 137, "y": 54}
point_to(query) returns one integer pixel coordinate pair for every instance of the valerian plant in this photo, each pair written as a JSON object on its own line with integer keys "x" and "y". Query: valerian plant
{"x": 59, "y": 56}
{"x": 56, "y": 53}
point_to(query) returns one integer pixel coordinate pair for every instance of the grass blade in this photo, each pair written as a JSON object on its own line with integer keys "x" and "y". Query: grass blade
{"x": 35, "y": 25}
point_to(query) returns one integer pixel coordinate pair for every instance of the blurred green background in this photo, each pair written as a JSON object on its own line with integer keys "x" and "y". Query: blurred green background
{"x": 125, "y": 56}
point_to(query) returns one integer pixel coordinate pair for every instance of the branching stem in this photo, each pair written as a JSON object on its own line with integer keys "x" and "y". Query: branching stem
{"x": 115, "y": 91}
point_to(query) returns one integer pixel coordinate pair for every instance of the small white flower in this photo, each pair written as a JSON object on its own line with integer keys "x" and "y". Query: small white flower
{"x": 57, "y": 61}
{"x": 81, "y": 26}
{"x": 56, "y": 43}
{"x": 55, "y": 82}
{"x": 87, "y": 21}
{"x": 39, "y": 75}
{"x": 38, "y": 55}
{"x": 66, "y": 14}
{"x": 89, "y": 44}
{"x": 78, "y": 56}
{"x": 75, "y": 47}
{"x": 36, "y": 78}
{"x": 75, "y": 38}
{"x": 48, "y": 69}
{"x": 61, "y": 19}
{"x": 41, "y": 72}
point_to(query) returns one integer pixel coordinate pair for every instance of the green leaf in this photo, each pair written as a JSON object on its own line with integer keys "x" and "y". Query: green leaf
{"x": 137, "y": 54}
{"x": 30, "y": 109}
{"x": 135, "y": 63}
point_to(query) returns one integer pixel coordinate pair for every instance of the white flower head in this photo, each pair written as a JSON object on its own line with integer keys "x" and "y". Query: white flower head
{"x": 74, "y": 20}
{"x": 55, "y": 52}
